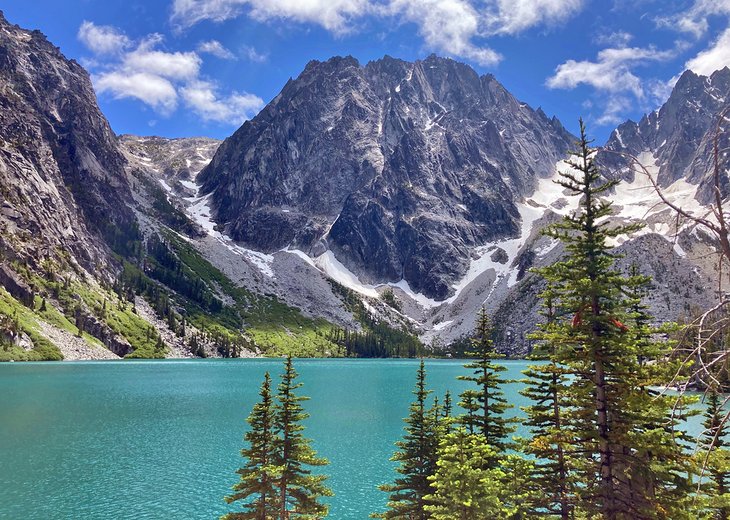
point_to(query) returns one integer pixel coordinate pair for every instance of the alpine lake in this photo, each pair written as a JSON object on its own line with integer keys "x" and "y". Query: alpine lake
{"x": 161, "y": 439}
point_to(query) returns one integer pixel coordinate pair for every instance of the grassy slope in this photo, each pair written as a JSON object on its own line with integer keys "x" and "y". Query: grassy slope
{"x": 274, "y": 327}
{"x": 28, "y": 323}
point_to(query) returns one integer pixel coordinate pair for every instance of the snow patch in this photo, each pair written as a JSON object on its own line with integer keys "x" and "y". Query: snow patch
{"x": 167, "y": 187}
{"x": 199, "y": 210}
{"x": 421, "y": 299}
{"x": 442, "y": 325}
{"x": 531, "y": 210}
{"x": 190, "y": 185}
{"x": 329, "y": 264}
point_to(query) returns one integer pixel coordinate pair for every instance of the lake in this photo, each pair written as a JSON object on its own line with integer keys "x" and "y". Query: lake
{"x": 161, "y": 439}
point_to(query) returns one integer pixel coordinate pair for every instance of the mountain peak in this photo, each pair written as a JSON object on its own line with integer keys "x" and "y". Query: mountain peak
{"x": 394, "y": 166}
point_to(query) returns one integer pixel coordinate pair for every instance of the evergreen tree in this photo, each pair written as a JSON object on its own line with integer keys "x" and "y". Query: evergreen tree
{"x": 299, "y": 491}
{"x": 626, "y": 457}
{"x": 485, "y": 406}
{"x": 466, "y": 487}
{"x": 715, "y": 456}
{"x": 260, "y": 474}
{"x": 417, "y": 456}
{"x": 551, "y": 437}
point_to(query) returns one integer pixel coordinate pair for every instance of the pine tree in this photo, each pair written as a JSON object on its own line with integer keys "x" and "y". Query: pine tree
{"x": 260, "y": 473}
{"x": 466, "y": 487}
{"x": 417, "y": 456}
{"x": 486, "y": 405}
{"x": 299, "y": 491}
{"x": 627, "y": 459}
{"x": 715, "y": 456}
{"x": 551, "y": 437}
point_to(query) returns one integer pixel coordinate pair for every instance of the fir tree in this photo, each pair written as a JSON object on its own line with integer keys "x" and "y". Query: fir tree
{"x": 627, "y": 460}
{"x": 715, "y": 456}
{"x": 259, "y": 475}
{"x": 466, "y": 487}
{"x": 486, "y": 405}
{"x": 550, "y": 439}
{"x": 417, "y": 456}
{"x": 299, "y": 491}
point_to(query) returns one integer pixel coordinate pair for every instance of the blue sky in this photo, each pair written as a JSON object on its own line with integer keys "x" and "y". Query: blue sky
{"x": 201, "y": 67}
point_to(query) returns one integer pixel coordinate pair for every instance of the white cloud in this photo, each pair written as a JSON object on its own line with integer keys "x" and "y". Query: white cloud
{"x": 333, "y": 15}
{"x": 215, "y": 48}
{"x": 172, "y": 65}
{"x": 695, "y": 19}
{"x": 613, "y": 111}
{"x": 515, "y": 16}
{"x": 449, "y": 26}
{"x": 102, "y": 39}
{"x": 152, "y": 90}
{"x": 713, "y": 58}
{"x": 614, "y": 39}
{"x": 233, "y": 109}
{"x": 255, "y": 56}
{"x": 160, "y": 79}
{"x": 612, "y": 74}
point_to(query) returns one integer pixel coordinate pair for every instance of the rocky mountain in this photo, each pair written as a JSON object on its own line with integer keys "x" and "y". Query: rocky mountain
{"x": 427, "y": 180}
{"x": 676, "y": 140}
{"x": 61, "y": 172}
{"x": 98, "y": 258}
{"x": 391, "y": 198}
{"x": 174, "y": 161}
{"x": 398, "y": 168}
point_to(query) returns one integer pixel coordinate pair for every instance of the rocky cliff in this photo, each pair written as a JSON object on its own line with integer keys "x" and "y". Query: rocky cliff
{"x": 676, "y": 140}
{"x": 61, "y": 172}
{"x": 398, "y": 168}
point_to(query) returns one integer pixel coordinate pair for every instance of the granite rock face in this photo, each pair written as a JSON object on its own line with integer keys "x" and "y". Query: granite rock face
{"x": 62, "y": 176}
{"x": 679, "y": 136}
{"x": 399, "y": 168}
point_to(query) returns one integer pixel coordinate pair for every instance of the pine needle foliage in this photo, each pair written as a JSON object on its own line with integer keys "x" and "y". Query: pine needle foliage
{"x": 465, "y": 487}
{"x": 416, "y": 455}
{"x": 276, "y": 480}
{"x": 299, "y": 490}
{"x": 486, "y": 405}
{"x": 260, "y": 474}
{"x": 714, "y": 457}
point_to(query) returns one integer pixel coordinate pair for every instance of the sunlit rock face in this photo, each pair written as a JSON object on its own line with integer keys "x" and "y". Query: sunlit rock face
{"x": 399, "y": 168}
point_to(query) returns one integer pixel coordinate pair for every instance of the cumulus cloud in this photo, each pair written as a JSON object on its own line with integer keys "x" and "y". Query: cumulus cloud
{"x": 215, "y": 48}
{"x": 454, "y": 27}
{"x": 447, "y": 25}
{"x": 161, "y": 79}
{"x": 611, "y": 73}
{"x": 235, "y": 108}
{"x": 612, "y": 70}
{"x": 515, "y": 16}
{"x": 695, "y": 19}
{"x": 102, "y": 39}
{"x": 152, "y": 90}
{"x": 172, "y": 65}
{"x": 713, "y": 58}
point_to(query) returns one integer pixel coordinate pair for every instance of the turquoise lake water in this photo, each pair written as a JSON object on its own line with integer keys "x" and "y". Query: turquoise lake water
{"x": 161, "y": 439}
